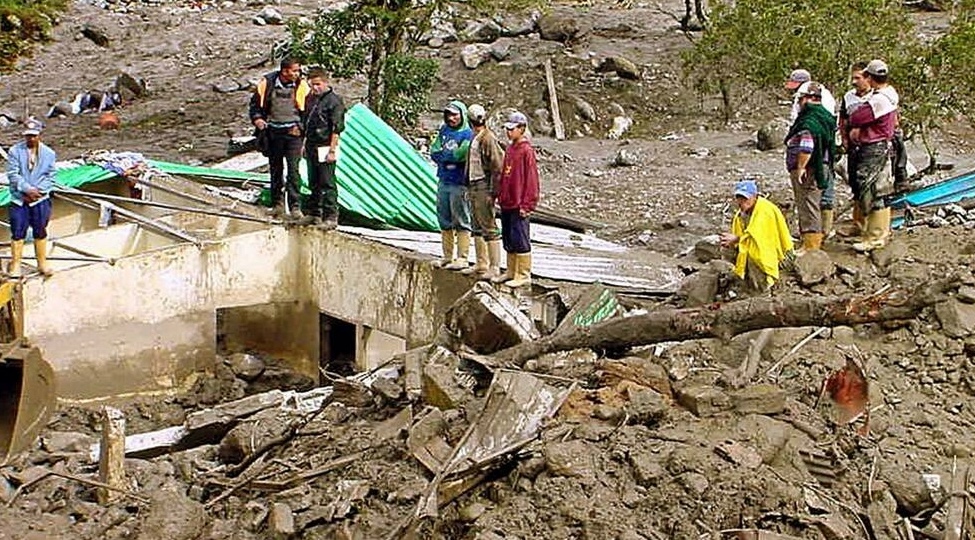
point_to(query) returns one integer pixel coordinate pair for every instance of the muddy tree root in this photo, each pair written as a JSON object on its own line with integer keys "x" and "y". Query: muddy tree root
{"x": 733, "y": 318}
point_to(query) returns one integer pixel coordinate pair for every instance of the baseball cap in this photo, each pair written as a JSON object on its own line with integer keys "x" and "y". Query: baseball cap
{"x": 877, "y": 67}
{"x": 746, "y": 188}
{"x": 476, "y": 112}
{"x": 796, "y": 78}
{"x": 813, "y": 89}
{"x": 516, "y": 119}
{"x": 33, "y": 127}
{"x": 452, "y": 109}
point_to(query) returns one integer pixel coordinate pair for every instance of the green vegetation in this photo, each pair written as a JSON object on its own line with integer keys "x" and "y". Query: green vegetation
{"x": 24, "y": 23}
{"x": 753, "y": 44}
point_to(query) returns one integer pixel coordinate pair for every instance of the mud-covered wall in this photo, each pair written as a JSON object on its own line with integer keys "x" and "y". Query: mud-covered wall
{"x": 148, "y": 322}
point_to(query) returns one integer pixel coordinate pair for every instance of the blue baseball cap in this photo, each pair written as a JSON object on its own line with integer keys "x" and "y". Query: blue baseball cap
{"x": 746, "y": 188}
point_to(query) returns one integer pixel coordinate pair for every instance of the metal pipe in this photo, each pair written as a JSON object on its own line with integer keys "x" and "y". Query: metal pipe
{"x": 167, "y": 206}
{"x": 57, "y": 258}
{"x": 138, "y": 218}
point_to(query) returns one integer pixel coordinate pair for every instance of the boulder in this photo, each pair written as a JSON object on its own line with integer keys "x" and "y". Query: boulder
{"x": 894, "y": 251}
{"x": 814, "y": 267}
{"x": 623, "y": 67}
{"x": 771, "y": 135}
{"x": 584, "y": 110}
{"x": 246, "y": 366}
{"x": 957, "y": 319}
{"x": 621, "y": 124}
{"x": 481, "y": 31}
{"x": 270, "y": 15}
{"x": 708, "y": 248}
{"x": 561, "y": 26}
{"x": 475, "y": 54}
{"x": 624, "y": 158}
{"x": 501, "y": 48}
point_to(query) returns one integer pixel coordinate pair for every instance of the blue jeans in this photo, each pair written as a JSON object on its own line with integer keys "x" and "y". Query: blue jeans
{"x": 453, "y": 207}
{"x": 24, "y": 216}
{"x": 829, "y": 192}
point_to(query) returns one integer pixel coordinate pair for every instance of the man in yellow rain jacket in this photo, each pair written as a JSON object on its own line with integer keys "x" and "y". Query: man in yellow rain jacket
{"x": 761, "y": 234}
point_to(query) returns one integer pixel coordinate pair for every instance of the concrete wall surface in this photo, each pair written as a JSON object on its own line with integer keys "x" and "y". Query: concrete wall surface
{"x": 147, "y": 322}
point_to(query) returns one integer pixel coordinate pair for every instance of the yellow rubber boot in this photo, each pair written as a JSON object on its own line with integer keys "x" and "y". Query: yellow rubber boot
{"x": 877, "y": 231}
{"x": 509, "y": 271}
{"x": 40, "y": 251}
{"x": 463, "y": 251}
{"x": 523, "y": 271}
{"x": 481, "y": 255}
{"x": 447, "y": 241}
{"x": 16, "y": 254}
{"x": 828, "y": 231}
{"x": 494, "y": 260}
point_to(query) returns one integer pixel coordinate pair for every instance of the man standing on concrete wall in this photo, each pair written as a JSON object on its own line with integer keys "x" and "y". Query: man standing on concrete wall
{"x": 449, "y": 152}
{"x": 275, "y": 110}
{"x": 323, "y": 123}
{"x": 484, "y": 169}
{"x": 518, "y": 195}
{"x": 30, "y": 171}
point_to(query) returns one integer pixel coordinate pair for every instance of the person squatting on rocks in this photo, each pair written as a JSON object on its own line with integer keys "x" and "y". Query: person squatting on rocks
{"x": 449, "y": 152}
{"x": 30, "y": 171}
{"x": 323, "y": 122}
{"x": 872, "y": 127}
{"x": 484, "y": 163}
{"x": 275, "y": 110}
{"x": 853, "y": 98}
{"x": 518, "y": 193}
{"x": 761, "y": 234}
{"x": 809, "y": 157}
{"x": 798, "y": 82}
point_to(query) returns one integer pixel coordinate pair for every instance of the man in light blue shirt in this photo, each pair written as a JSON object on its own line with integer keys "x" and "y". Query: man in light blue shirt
{"x": 30, "y": 171}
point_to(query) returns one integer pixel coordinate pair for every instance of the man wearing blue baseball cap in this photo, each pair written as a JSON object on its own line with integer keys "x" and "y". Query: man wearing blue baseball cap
{"x": 761, "y": 234}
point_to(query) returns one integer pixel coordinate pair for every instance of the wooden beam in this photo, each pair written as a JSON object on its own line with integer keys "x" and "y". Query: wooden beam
{"x": 553, "y": 100}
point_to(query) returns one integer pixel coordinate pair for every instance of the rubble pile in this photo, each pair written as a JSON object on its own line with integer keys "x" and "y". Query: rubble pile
{"x": 844, "y": 432}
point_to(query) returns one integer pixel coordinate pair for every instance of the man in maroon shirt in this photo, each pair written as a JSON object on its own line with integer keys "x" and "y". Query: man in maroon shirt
{"x": 872, "y": 125}
{"x": 517, "y": 197}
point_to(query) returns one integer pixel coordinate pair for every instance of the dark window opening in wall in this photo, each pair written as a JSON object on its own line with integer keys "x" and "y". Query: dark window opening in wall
{"x": 337, "y": 345}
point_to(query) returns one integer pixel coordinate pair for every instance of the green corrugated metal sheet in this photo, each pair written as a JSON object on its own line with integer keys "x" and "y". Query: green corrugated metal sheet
{"x": 381, "y": 177}
{"x": 72, "y": 177}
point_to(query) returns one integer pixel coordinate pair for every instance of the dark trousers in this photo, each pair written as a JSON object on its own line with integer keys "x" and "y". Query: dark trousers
{"x": 35, "y": 217}
{"x": 515, "y": 232}
{"x": 324, "y": 201}
{"x": 282, "y": 148}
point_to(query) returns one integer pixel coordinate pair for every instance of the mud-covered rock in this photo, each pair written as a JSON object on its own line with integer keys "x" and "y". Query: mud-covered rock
{"x": 246, "y": 366}
{"x": 647, "y": 469}
{"x": 475, "y": 54}
{"x": 771, "y": 135}
{"x": 172, "y": 516}
{"x": 957, "y": 319}
{"x": 623, "y": 67}
{"x": 562, "y": 26}
{"x": 572, "y": 458}
{"x": 814, "y": 267}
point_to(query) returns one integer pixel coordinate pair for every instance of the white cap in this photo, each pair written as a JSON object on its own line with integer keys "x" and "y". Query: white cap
{"x": 476, "y": 113}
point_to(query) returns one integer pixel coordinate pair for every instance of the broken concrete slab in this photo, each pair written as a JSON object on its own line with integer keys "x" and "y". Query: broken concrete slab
{"x": 704, "y": 400}
{"x": 426, "y": 440}
{"x": 393, "y": 427}
{"x": 441, "y": 386}
{"x": 59, "y": 442}
{"x": 351, "y": 393}
{"x": 759, "y": 399}
{"x": 390, "y": 391}
{"x": 486, "y": 322}
{"x": 251, "y": 435}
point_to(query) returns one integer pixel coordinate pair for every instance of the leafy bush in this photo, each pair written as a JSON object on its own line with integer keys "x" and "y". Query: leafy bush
{"x": 23, "y": 23}
{"x": 753, "y": 44}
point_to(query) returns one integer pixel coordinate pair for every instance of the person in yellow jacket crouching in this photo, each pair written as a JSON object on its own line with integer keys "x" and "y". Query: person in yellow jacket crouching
{"x": 761, "y": 234}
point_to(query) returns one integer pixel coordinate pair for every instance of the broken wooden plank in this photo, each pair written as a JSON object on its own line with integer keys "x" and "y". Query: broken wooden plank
{"x": 955, "y": 515}
{"x": 111, "y": 463}
{"x": 553, "y": 101}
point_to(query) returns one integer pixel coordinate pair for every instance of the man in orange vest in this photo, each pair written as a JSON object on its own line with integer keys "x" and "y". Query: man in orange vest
{"x": 275, "y": 110}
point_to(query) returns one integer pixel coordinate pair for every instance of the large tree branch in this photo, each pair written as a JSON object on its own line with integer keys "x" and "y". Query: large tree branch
{"x": 730, "y": 319}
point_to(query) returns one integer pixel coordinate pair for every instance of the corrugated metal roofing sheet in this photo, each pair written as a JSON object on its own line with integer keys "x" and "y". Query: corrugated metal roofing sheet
{"x": 71, "y": 176}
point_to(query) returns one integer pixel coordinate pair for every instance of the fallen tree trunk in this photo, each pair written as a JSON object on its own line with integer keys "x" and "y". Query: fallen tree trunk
{"x": 732, "y": 318}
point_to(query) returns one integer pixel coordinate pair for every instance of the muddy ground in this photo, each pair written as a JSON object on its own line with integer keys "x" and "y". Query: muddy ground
{"x": 597, "y": 471}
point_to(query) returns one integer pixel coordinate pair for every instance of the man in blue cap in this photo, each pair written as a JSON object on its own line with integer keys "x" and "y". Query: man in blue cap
{"x": 761, "y": 234}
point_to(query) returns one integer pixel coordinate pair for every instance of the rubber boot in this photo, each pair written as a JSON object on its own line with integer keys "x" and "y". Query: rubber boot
{"x": 813, "y": 241}
{"x": 463, "y": 250}
{"x": 509, "y": 271}
{"x": 40, "y": 251}
{"x": 494, "y": 260}
{"x": 856, "y": 229}
{"x": 16, "y": 253}
{"x": 523, "y": 271}
{"x": 828, "y": 231}
{"x": 877, "y": 231}
{"x": 481, "y": 254}
{"x": 447, "y": 241}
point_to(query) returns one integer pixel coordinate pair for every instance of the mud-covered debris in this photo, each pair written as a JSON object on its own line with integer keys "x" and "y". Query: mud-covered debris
{"x": 173, "y": 516}
{"x": 475, "y": 54}
{"x": 704, "y": 400}
{"x": 907, "y": 487}
{"x": 571, "y": 458}
{"x": 759, "y": 399}
{"x": 646, "y": 406}
{"x": 246, "y": 366}
{"x": 390, "y": 390}
{"x": 561, "y": 26}
{"x": 621, "y": 66}
{"x": 894, "y": 251}
{"x": 351, "y": 393}
{"x": 642, "y": 371}
{"x": 501, "y": 49}
{"x": 758, "y": 534}
{"x": 442, "y": 385}
{"x": 253, "y": 435}
{"x": 98, "y": 35}
{"x": 281, "y": 521}
{"x": 739, "y": 454}
{"x": 427, "y": 440}
{"x": 957, "y": 319}
{"x": 487, "y": 322}
{"x": 66, "y": 442}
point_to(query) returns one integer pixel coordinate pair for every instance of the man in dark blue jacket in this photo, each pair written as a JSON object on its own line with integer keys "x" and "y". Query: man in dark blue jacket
{"x": 324, "y": 120}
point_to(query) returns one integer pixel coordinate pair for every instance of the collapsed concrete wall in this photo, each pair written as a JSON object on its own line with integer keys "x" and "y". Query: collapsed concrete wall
{"x": 148, "y": 322}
